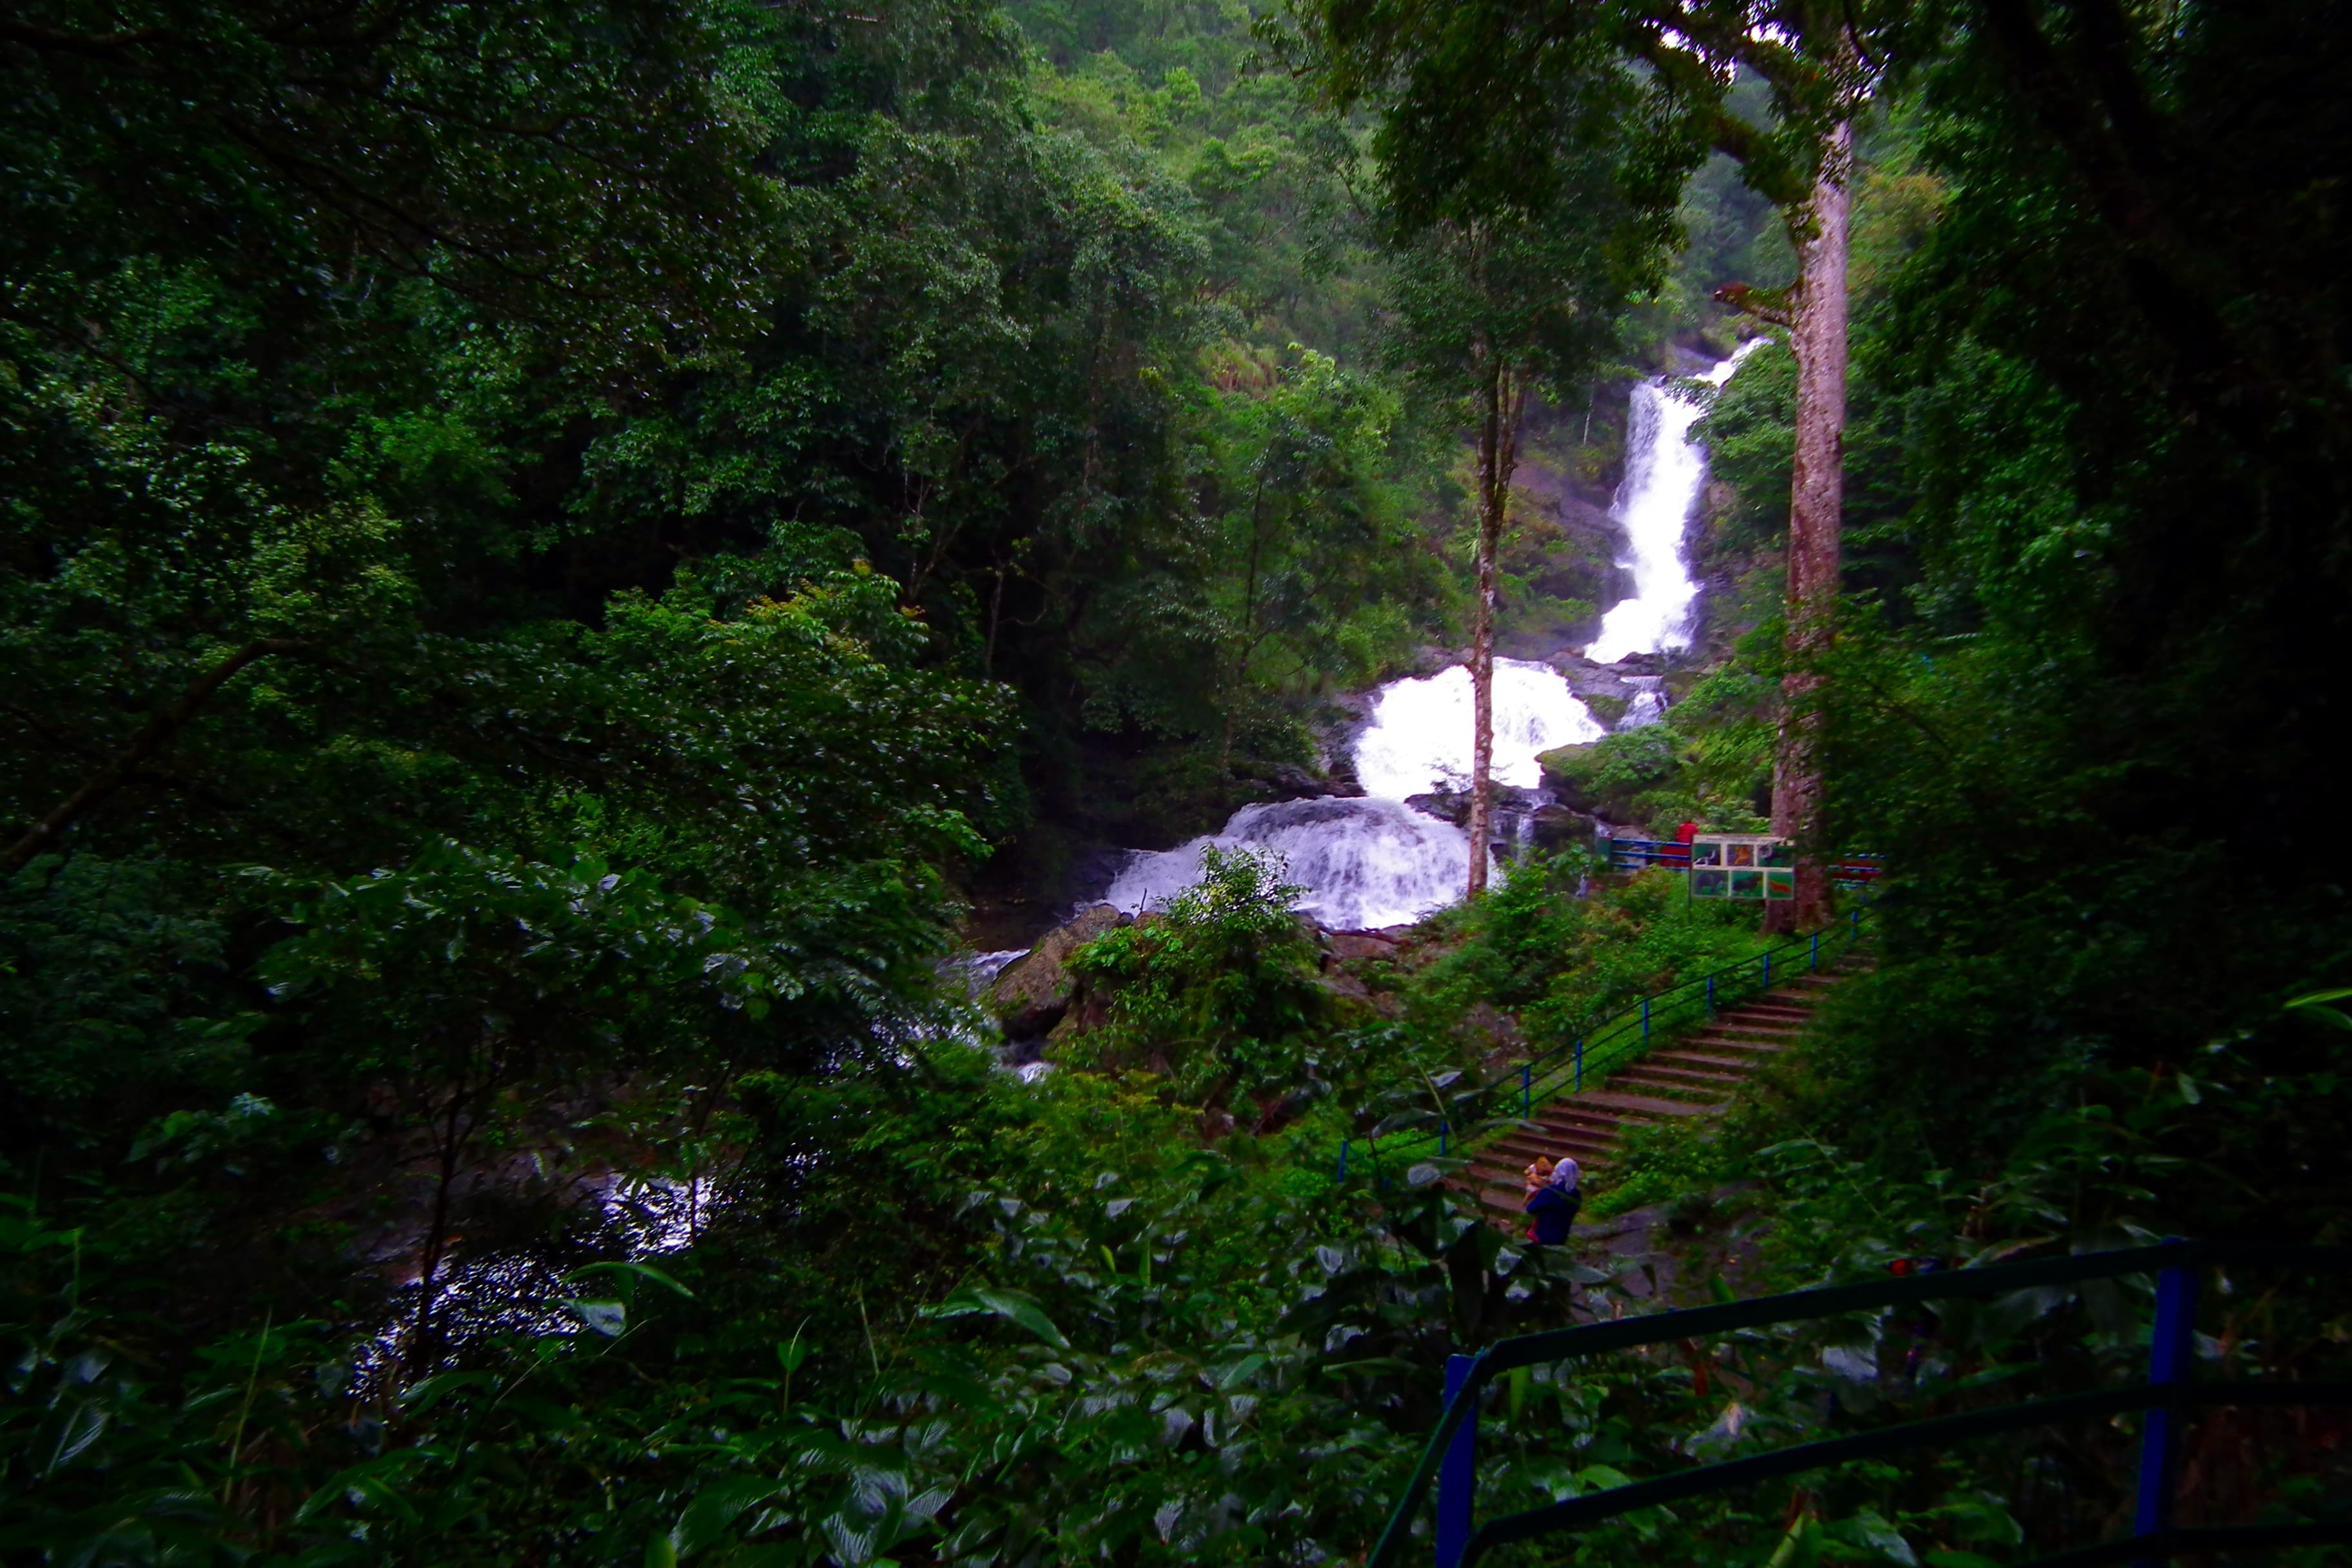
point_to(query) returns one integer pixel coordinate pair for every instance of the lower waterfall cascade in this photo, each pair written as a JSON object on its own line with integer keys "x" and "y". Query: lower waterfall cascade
{"x": 1372, "y": 861}
{"x": 1363, "y": 861}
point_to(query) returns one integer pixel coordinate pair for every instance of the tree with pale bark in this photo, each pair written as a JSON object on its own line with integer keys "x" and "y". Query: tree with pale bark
{"x": 1486, "y": 311}
{"x": 1504, "y": 284}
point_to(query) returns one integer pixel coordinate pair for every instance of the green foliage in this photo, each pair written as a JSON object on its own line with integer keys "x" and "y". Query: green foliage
{"x": 513, "y": 526}
{"x": 1563, "y": 962}
{"x": 1317, "y": 561}
{"x": 1711, "y": 761}
{"x": 1218, "y": 989}
{"x": 1607, "y": 774}
{"x": 1750, "y": 435}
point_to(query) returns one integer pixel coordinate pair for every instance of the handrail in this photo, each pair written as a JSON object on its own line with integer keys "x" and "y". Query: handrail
{"x": 2167, "y": 1390}
{"x": 1858, "y": 869}
{"x": 1563, "y": 1068}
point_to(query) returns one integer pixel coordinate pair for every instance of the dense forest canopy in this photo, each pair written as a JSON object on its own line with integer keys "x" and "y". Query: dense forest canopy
{"x": 564, "y": 565}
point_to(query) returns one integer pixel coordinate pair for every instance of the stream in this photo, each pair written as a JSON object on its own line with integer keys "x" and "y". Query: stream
{"x": 1374, "y": 860}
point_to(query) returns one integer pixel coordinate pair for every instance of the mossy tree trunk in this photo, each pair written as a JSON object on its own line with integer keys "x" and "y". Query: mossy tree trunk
{"x": 1815, "y": 513}
{"x": 1503, "y": 398}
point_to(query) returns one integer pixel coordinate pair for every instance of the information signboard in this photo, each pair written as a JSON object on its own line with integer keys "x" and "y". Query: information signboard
{"x": 1742, "y": 866}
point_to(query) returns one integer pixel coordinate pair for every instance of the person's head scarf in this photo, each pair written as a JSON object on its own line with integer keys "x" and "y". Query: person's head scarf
{"x": 1564, "y": 1174}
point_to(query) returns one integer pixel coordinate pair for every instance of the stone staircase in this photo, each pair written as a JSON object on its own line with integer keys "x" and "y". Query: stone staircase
{"x": 1695, "y": 1076}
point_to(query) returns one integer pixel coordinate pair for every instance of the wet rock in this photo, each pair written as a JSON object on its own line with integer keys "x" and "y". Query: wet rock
{"x": 1557, "y": 827}
{"x": 1589, "y": 680}
{"x": 1341, "y": 984}
{"x": 1609, "y": 710}
{"x": 1568, "y": 770}
{"x": 1446, "y": 806}
{"x": 1341, "y": 779}
{"x": 1287, "y": 781}
{"x": 1345, "y": 946}
{"x": 1031, "y": 995}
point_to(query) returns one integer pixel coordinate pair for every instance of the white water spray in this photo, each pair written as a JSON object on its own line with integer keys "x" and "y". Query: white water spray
{"x": 1375, "y": 861}
{"x": 1664, "y": 471}
{"x": 1419, "y": 738}
{"x": 1363, "y": 862}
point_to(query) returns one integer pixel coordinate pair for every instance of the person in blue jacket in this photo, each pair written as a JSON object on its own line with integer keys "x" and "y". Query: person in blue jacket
{"x": 1552, "y": 1200}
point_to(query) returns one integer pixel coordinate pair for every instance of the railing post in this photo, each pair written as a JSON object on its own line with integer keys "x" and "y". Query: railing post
{"x": 1441, "y": 1131}
{"x": 1815, "y": 962}
{"x": 1580, "y": 1064}
{"x": 2171, "y": 1354}
{"x": 1645, "y": 1017}
{"x": 1710, "y": 993}
{"x": 1527, "y": 1088}
{"x": 1343, "y": 1159}
{"x": 1767, "y": 972}
{"x": 1457, "y": 1474}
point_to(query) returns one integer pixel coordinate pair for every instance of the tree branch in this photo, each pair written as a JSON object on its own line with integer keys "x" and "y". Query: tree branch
{"x": 160, "y": 732}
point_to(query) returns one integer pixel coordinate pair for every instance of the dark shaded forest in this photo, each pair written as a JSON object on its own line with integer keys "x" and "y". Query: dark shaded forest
{"x": 565, "y": 567}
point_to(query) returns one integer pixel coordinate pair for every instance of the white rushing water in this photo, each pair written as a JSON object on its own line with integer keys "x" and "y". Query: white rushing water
{"x": 1664, "y": 471}
{"x": 1363, "y": 862}
{"x": 1419, "y": 738}
{"x": 1373, "y": 860}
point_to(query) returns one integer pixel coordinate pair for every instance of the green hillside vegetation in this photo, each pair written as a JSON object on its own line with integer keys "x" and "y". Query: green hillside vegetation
{"x": 563, "y": 566}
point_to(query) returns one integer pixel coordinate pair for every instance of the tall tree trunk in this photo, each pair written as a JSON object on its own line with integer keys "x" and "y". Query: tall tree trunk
{"x": 1503, "y": 399}
{"x": 1815, "y": 509}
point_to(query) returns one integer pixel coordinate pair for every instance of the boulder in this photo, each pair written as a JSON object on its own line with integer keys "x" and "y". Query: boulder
{"x": 1346, "y": 945}
{"x": 1569, "y": 770}
{"x": 1342, "y": 778}
{"x": 1557, "y": 826}
{"x": 1346, "y": 986}
{"x": 1609, "y": 710}
{"x": 1032, "y": 993}
{"x": 1283, "y": 781}
{"x": 1446, "y": 806}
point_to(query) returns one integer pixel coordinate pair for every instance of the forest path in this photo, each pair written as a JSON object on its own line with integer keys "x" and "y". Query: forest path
{"x": 1698, "y": 1075}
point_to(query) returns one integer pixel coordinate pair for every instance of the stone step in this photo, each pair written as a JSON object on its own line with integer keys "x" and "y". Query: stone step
{"x": 1763, "y": 1010}
{"x": 1746, "y": 1046}
{"x": 1524, "y": 1148}
{"x": 1637, "y": 1106}
{"x": 1695, "y": 1076}
{"x": 1577, "y": 1141}
{"x": 1665, "y": 1075}
{"x": 1730, "y": 1065}
{"x": 1580, "y": 1112}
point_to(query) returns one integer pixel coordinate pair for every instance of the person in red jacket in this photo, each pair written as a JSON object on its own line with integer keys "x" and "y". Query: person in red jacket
{"x": 1683, "y": 835}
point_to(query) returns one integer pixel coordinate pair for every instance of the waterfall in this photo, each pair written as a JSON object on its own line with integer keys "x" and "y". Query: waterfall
{"x": 1664, "y": 471}
{"x": 1419, "y": 738}
{"x": 1648, "y": 704}
{"x": 1363, "y": 862}
{"x": 1375, "y": 861}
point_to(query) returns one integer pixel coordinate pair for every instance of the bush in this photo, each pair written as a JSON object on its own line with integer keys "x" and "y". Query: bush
{"x": 1219, "y": 990}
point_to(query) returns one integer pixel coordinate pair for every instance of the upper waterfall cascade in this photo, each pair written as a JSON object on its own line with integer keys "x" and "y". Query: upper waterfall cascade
{"x": 1664, "y": 471}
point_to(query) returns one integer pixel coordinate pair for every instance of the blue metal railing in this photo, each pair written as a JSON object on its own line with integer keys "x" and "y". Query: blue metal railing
{"x": 1632, "y": 855}
{"x": 1450, "y": 1456}
{"x": 1614, "y": 1039}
